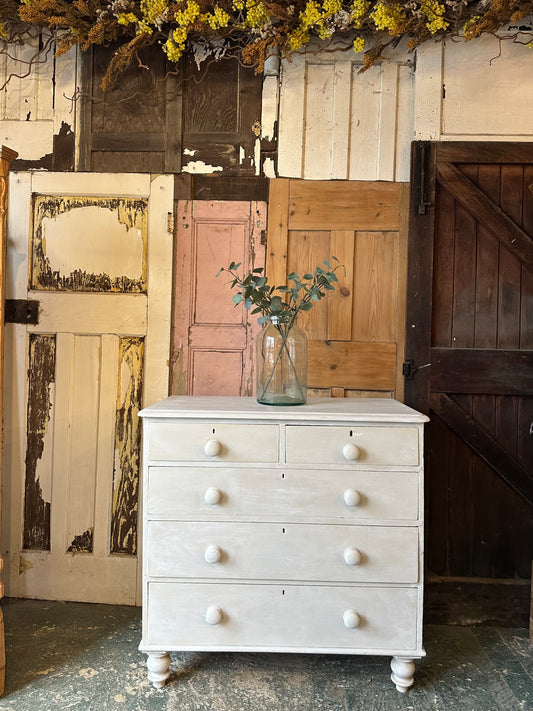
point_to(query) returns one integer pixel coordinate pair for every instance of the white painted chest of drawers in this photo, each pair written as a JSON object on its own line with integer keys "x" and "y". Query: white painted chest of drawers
{"x": 294, "y": 529}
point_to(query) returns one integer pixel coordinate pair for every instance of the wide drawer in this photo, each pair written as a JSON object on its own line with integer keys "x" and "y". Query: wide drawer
{"x": 205, "y": 442}
{"x": 272, "y": 551}
{"x": 203, "y": 616}
{"x": 349, "y": 496}
{"x": 359, "y": 446}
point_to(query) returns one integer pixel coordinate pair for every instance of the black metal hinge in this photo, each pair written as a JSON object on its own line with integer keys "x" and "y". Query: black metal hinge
{"x": 21, "y": 311}
{"x": 409, "y": 369}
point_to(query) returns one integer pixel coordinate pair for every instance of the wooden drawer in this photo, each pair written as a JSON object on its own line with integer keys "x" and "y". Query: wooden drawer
{"x": 226, "y": 494}
{"x": 291, "y": 617}
{"x": 205, "y": 442}
{"x": 272, "y": 551}
{"x": 359, "y": 446}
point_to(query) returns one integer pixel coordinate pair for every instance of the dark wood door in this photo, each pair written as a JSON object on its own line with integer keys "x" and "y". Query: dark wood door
{"x": 469, "y": 352}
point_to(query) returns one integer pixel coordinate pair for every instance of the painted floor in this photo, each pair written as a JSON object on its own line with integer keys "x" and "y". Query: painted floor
{"x": 85, "y": 657}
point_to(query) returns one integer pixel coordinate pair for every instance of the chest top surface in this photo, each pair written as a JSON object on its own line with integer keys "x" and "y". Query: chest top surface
{"x": 316, "y": 409}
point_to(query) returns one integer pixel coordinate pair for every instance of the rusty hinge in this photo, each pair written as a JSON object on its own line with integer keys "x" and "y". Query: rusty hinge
{"x": 21, "y": 311}
{"x": 409, "y": 369}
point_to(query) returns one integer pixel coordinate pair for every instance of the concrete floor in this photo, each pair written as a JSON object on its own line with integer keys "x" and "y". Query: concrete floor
{"x": 85, "y": 657}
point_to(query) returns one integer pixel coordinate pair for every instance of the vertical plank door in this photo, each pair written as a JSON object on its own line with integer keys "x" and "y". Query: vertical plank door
{"x": 356, "y": 335}
{"x": 470, "y": 339}
{"x": 213, "y": 340}
{"x": 95, "y": 251}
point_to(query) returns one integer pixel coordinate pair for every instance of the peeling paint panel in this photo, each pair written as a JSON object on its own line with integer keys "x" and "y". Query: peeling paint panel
{"x": 127, "y": 447}
{"x": 82, "y": 543}
{"x": 41, "y": 382}
{"x": 89, "y": 244}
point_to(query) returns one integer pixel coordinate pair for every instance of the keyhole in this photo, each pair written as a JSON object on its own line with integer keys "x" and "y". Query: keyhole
{"x": 213, "y": 430}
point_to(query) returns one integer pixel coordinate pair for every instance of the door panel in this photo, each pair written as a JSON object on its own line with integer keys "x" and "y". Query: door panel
{"x": 470, "y": 276}
{"x": 78, "y": 378}
{"x": 213, "y": 340}
{"x": 355, "y": 335}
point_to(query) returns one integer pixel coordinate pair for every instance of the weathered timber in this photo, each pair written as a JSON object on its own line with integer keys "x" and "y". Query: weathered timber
{"x": 36, "y": 534}
{"x": 484, "y": 445}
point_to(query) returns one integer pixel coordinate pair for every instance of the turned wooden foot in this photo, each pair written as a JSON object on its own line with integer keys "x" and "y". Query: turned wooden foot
{"x": 402, "y": 673}
{"x": 158, "y": 664}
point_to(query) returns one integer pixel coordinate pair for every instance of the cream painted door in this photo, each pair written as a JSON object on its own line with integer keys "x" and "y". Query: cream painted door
{"x": 95, "y": 251}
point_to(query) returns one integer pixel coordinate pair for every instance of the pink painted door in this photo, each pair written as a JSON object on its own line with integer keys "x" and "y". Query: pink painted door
{"x": 213, "y": 339}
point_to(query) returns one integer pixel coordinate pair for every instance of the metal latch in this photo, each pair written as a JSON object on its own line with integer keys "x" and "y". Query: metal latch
{"x": 409, "y": 369}
{"x": 21, "y": 311}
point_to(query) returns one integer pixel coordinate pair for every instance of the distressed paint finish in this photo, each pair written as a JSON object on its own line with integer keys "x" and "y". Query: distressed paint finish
{"x": 213, "y": 340}
{"x": 82, "y": 543}
{"x": 338, "y": 123}
{"x": 116, "y": 229}
{"x": 83, "y": 454}
{"x": 127, "y": 447}
{"x": 40, "y": 404}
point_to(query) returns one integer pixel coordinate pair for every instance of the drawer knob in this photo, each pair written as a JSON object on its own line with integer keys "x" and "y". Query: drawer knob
{"x": 352, "y": 555}
{"x": 213, "y": 554}
{"x": 351, "y": 619}
{"x": 352, "y": 497}
{"x": 213, "y": 615}
{"x": 212, "y": 496}
{"x": 212, "y": 447}
{"x": 351, "y": 452}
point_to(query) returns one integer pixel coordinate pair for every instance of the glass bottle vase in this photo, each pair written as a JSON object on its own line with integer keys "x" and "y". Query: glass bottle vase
{"x": 281, "y": 362}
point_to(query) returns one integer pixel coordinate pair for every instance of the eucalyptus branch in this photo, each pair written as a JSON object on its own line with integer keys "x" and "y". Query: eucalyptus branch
{"x": 259, "y": 297}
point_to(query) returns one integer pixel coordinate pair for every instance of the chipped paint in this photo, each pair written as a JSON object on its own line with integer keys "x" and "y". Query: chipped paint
{"x": 199, "y": 166}
{"x": 114, "y": 229}
{"x": 189, "y": 152}
{"x": 269, "y": 169}
{"x": 242, "y": 155}
{"x": 257, "y": 156}
{"x": 127, "y": 447}
{"x": 24, "y": 565}
{"x": 42, "y": 360}
{"x": 82, "y": 543}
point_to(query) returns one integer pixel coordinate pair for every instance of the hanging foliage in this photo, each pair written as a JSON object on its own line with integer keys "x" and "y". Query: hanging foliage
{"x": 255, "y": 28}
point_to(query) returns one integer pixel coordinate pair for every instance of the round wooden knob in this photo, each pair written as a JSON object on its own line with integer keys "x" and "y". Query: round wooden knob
{"x": 352, "y": 497}
{"x": 213, "y": 615}
{"x": 212, "y": 496}
{"x": 213, "y": 554}
{"x": 351, "y": 619}
{"x": 212, "y": 447}
{"x": 351, "y": 452}
{"x": 352, "y": 555}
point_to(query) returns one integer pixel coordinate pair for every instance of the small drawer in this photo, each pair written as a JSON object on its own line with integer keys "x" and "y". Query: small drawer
{"x": 212, "y": 442}
{"x": 315, "y": 495}
{"x": 272, "y": 551}
{"x": 299, "y": 618}
{"x": 357, "y": 446}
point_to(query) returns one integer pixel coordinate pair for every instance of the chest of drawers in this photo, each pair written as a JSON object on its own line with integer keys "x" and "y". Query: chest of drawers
{"x": 293, "y": 529}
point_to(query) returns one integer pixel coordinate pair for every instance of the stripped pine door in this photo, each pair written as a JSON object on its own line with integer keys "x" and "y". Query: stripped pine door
{"x": 95, "y": 251}
{"x": 356, "y": 335}
{"x": 470, "y": 344}
{"x": 213, "y": 340}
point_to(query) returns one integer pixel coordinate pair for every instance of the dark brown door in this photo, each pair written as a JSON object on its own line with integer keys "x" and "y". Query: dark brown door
{"x": 469, "y": 352}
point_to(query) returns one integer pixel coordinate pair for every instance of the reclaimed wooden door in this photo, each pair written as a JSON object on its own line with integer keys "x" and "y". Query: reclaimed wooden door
{"x": 356, "y": 335}
{"x": 95, "y": 252}
{"x": 470, "y": 352}
{"x": 213, "y": 341}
